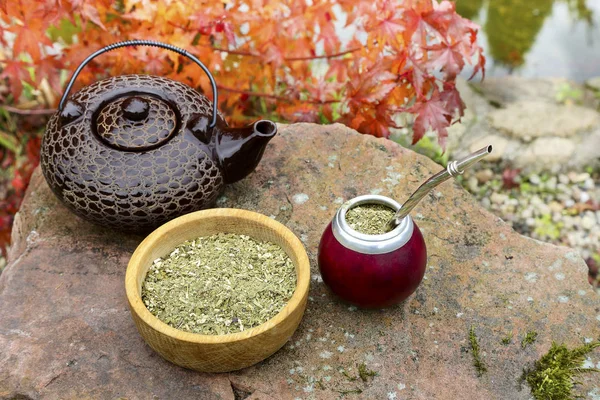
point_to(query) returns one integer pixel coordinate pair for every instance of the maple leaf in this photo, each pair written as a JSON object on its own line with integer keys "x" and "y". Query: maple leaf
{"x": 226, "y": 28}
{"x": 448, "y": 58}
{"x": 298, "y": 23}
{"x": 263, "y": 53}
{"x": 388, "y": 26}
{"x": 272, "y": 54}
{"x": 370, "y": 86}
{"x": 451, "y": 98}
{"x": 28, "y": 39}
{"x": 298, "y": 113}
{"x": 16, "y": 73}
{"x": 90, "y": 12}
{"x": 47, "y": 69}
{"x": 419, "y": 74}
{"x": 480, "y": 66}
{"x": 153, "y": 59}
{"x": 368, "y": 124}
{"x": 431, "y": 114}
{"x": 374, "y": 126}
{"x": 322, "y": 89}
{"x": 338, "y": 70}
{"x": 329, "y": 36}
{"x": 140, "y": 10}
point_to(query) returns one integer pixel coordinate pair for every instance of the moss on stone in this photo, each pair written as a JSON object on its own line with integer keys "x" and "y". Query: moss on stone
{"x": 348, "y": 376}
{"x": 506, "y": 340}
{"x": 529, "y": 339}
{"x": 553, "y": 376}
{"x": 349, "y": 391}
{"x": 477, "y": 363}
{"x": 365, "y": 373}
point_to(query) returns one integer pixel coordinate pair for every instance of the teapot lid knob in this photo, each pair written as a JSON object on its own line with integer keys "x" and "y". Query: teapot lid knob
{"x": 135, "y": 108}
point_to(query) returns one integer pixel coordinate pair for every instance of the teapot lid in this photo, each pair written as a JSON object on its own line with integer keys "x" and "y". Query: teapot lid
{"x": 136, "y": 123}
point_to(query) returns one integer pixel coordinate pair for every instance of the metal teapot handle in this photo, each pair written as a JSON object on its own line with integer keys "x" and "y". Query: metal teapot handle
{"x": 144, "y": 43}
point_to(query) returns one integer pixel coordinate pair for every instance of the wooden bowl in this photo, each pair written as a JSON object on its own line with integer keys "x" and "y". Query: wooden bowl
{"x": 216, "y": 353}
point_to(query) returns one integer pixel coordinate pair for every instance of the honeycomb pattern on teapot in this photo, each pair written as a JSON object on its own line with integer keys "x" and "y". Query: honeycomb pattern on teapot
{"x": 131, "y": 190}
{"x": 120, "y": 132}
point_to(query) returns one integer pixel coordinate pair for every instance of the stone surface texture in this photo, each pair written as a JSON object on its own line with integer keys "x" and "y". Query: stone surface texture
{"x": 529, "y": 120}
{"x": 593, "y": 83}
{"x": 66, "y": 332}
{"x": 526, "y": 120}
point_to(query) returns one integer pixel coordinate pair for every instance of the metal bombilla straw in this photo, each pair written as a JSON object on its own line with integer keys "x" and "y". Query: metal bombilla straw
{"x": 454, "y": 168}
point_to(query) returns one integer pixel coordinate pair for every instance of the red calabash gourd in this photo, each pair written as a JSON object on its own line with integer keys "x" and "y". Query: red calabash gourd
{"x": 377, "y": 271}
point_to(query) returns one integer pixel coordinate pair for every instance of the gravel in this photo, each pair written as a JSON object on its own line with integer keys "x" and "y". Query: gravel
{"x": 562, "y": 209}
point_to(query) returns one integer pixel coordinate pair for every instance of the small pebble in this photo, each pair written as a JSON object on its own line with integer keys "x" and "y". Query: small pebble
{"x": 472, "y": 184}
{"x": 484, "y": 175}
{"x": 535, "y": 179}
{"x": 563, "y": 179}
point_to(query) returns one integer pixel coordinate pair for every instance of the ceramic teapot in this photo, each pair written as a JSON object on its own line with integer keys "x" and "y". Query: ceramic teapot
{"x": 134, "y": 151}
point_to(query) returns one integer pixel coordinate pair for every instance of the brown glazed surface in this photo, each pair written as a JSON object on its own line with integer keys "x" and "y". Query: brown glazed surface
{"x": 135, "y": 151}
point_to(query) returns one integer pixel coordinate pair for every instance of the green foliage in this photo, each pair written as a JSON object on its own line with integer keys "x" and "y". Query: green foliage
{"x": 65, "y": 31}
{"x": 545, "y": 227}
{"x": 512, "y": 26}
{"x": 427, "y": 147}
{"x": 566, "y": 93}
{"x": 525, "y": 187}
{"x": 553, "y": 376}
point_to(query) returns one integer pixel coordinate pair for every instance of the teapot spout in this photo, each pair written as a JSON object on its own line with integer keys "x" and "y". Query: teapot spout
{"x": 239, "y": 150}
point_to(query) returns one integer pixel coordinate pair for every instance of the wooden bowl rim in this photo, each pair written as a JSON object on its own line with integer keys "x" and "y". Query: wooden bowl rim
{"x": 138, "y": 307}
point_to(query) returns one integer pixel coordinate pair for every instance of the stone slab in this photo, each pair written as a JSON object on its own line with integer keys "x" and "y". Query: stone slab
{"x": 500, "y": 91}
{"x": 66, "y": 332}
{"x": 528, "y": 120}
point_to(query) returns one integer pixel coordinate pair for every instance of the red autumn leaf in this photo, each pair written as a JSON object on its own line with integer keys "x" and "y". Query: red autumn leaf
{"x": 433, "y": 115}
{"x": 447, "y": 58}
{"x": 48, "y": 69}
{"x": 338, "y": 70}
{"x": 388, "y": 25}
{"x": 375, "y": 127}
{"x": 370, "y": 86}
{"x": 28, "y": 40}
{"x": 226, "y": 29}
{"x": 329, "y": 37}
{"x": 509, "y": 178}
{"x": 89, "y": 12}
{"x": 16, "y": 73}
{"x": 451, "y": 98}
{"x": 418, "y": 74}
{"x": 299, "y": 113}
{"x": 479, "y": 66}
{"x": 153, "y": 58}
{"x": 416, "y": 29}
